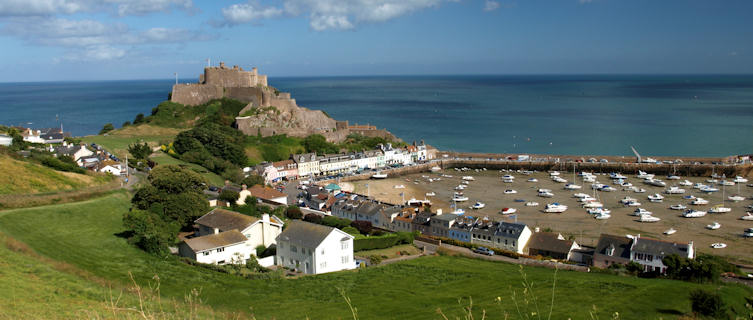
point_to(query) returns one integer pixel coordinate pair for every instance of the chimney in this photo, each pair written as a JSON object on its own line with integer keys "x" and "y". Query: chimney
{"x": 537, "y": 229}
{"x": 265, "y": 217}
{"x": 244, "y": 186}
{"x": 439, "y": 212}
{"x": 216, "y": 231}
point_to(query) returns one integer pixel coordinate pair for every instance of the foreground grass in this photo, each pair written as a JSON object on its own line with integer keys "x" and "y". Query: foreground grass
{"x": 21, "y": 177}
{"x": 86, "y": 235}
{"x": 389, "y": 253}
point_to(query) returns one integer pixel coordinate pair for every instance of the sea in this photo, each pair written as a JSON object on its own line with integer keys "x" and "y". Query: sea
{"x": 659, "y": 115}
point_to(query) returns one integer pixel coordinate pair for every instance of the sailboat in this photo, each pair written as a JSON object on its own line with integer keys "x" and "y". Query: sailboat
{"x": 720, "y": 208}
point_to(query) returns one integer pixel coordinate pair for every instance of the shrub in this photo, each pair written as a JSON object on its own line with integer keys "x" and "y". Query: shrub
{"x": 363, "y": 227}
{"x": 381, "y": 242}
{"x": 707, "y": 303}
{"x": 228, "y": 196}
{"x": 107, "y": 128}
{"x": 335, "y": 222}
{"x": 375, "y": 259}
{"x": 313, "y": 218}
{"x": 351, "y": 231}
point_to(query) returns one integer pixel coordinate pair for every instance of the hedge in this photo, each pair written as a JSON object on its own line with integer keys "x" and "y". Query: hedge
{"x": 381, "y": 242}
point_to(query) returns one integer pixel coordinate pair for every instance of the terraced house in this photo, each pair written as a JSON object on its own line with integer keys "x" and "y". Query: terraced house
{"x": 502, "y": 235}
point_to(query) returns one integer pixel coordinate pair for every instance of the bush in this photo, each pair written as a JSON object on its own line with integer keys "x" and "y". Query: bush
{"x": 381, "y": 242}
{"x": 140, "y": 151}
{"x": 61, "y": 165}
{"x": 707, "y": 303}
{"x": 351, "y": 231}
{"x": 228, "y": 196}
{"x": 313, "y": 218}
{"x": 335, "y": 222}
{"x": 107, "y": 128}
{"x": 294, "y": 212}
{"x": 363, "y": 227}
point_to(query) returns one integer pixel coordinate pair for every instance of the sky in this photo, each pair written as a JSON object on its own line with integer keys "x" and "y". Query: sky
{"x": 52, "y": 40}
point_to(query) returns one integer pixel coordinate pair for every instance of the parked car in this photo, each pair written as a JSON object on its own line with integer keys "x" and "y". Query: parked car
{"x": 484, "y": 251}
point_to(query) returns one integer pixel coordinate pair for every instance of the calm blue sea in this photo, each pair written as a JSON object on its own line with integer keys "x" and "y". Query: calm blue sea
{"x": 660, "y": 115}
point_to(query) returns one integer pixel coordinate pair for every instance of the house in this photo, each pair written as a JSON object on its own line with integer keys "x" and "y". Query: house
{"x": 611, "y": 249}
{"x": 422, "y": 222}
{"x": 307, "y": 164}
{"x": 261, "y": 193}
{"x": 403, "y": 221}
{"x": 440, "y": 225}
{"x": 286, "y": 169}
{"x": 111, "y": 167}
{"x": 221, "y": 248}
{"x": 32, "y": 136}
{"x": 314, "y": 249}
{"x": 225, "y": 236}
{"x": 461, "y": 229}
{"x": 502, "y": 235}
{"x": 77, "y": 152}
{"x": 550, "y": 244}
{"x": 269, "y": 173}
{"x": 5, "y": 140}
{"x": 650, "y": 252}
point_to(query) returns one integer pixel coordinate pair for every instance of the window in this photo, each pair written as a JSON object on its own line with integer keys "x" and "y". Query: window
{"x": 279, "y": 245}
{"x": 221, "y": 262}
{"x": 343, "y": 245}
{"x": 206, "y": 253}
{"x": 345, "y": 259}
{"x": 293, "y": 249}
{"x": 220, "y": 249}
{"x": 323, "y": 265}
{"x": 322, "y": 251}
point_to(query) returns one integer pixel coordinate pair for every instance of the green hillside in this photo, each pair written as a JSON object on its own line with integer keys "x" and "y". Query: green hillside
{"x": 21, "y": 177}
{"x": 86, "y": 235}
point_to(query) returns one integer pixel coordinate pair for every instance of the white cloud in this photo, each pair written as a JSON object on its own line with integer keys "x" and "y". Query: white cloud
{"x": 103, "y": 52}
{"x": 329, "y": 14}
{"x": 249, "y": 12}
{"x": 21, "y": 8}
{"x": 491, "y": 5}
{"x": 9, "y": 8}
{"x": 141, "y": 7}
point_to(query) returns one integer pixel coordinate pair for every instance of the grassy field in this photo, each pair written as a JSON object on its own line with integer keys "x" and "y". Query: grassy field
{"x": 117, "y": 141}
{"x": 86, "y": 235}
{"x": 389, "y": 253}
{"x": 213, "y": 178}
{"x": 20, "y": 177}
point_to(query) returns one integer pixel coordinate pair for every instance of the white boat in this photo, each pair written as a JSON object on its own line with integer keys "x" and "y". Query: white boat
{"x": 642, "y": 212}
{"x": 558, "y": 179}
{"x": 545, "y": 194}
{"x": 689, "y": 197}
{"x": 644, "y": 175}
{"x": 466, "y": 183}
{"x": 532, "y": 204}
{"x": 459, "y": 212}
{"x": 626, "y": 184}
{"x": 678, "y": 207}
{"x": 607, "y": 189}
{"x": 507, "y": 211}
{"x": 639, "y": 190}
{"x": 597, "y": 185}
{"x": 748, "y": 233}
{"x": 709, "y": 189}
{"x": 670, "y": 231}
{"x": 648, "y": 218}
{"x": 468, "y": 178}
{"x": 735, "y": 198}
{"x": 508, "y": 177}
{"x": 555, "y": 208}
{"x": 614, "y": 175}
{"x": 554, "y": 173}
{"x": 712, "y": 180}
{"x": 602, "y": 216}
{"x": 699, "y": 202}
{"x": 533, "y": 180}
{"x": 673, "y": 177}
{"x": 571, "y": 186}
{"x": 674, "y": 190}
{"x": 543, "y": 190}
{"x": 715, "y": 225}
{"x": 435, "y": 169}
{"x": 633, "y": 204}
{"x": 655, "y": 182}
{"x": 509, "y": 191}
{"x": 478, "y": 205}
{"x": 399, "y": 186}
{"x": 430, "y": 194}
{"x": 593, "y": 204}
{"x": 417, "y": 203}
{"x": 726, "y": 183}
{"x": 627, "y": 200}
{"x": 379, "y": 175}
{"x": 459, "y": 198}
{"x": 586, "y": 199}
{"x": 693, "y": 214}
{"x": 460, "y": 187}
{"x": 747, "y": 217}
{"x": 720, "y": 209}
{"x": 580, "y": 195}
{"x": 740, "y": 179}
{"x": 598, "y": 211}
{"x": 655, "y": 197}
{"x": 718, "y": 245}
{"x": 685, "y": 183}
{"x": 589, "y": 178}
{"x": 699, "y": 185}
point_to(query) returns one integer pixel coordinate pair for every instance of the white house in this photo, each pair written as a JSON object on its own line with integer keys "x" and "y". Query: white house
{"x": 313, "y": 249}
{"x": 218, "y": 222}
{"x": 5, "y": 140}
{"x": 649, "y": 252}
{"x": 308, "y": 165}
{"x": 110, "y": 167}
{"x": 263, "y": 193}
{"x": 74, "y": 151}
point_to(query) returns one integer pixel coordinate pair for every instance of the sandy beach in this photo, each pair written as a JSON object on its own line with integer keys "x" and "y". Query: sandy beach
{"x": 488, "y": 188}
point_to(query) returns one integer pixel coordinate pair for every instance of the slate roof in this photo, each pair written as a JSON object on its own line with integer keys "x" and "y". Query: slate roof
{"x": 660, "y": 248}
{"x": 422, "y": 218}
{"x": 306, "y": 233}
{"x": 549, "y": 241}
{"x": 306, "y": 157}
{"x": 508, "y": 229}
{"x": 621, "y": 245}
{"x": 226, "y": 220}
{"x": 212, "y": 241}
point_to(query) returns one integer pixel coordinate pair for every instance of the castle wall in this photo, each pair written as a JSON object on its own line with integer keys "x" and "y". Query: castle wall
{"x": 195, "y": 94}
{"x": 224, "y": 77}
{"x": 381, "y": 133}
{"x": 252, "y": 95}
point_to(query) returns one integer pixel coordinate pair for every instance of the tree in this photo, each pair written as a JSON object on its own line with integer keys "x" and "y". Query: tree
{"x": 125, "y": 124}
{"x": 253, "y": 180}
{"x": 228, "y": 196}
{"x": 107, "y": 128}
{"x": 707, "y": 303}
{"x": 150, "y": 232}
{"x": 139, "y": 119}
{"x": 294, "y": 212}
{"x": 363, "y": 227}
{"x": 174, "y": 179}
{"x": 174, "y": 194}
{"x": 140, "y": 151}
{"x": 317, "y": 143}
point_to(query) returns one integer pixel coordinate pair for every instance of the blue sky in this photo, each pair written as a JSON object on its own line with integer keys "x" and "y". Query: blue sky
{"x": 150, "y": 39}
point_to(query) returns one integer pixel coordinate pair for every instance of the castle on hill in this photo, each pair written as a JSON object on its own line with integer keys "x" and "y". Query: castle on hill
{"x": 269, "y": 111}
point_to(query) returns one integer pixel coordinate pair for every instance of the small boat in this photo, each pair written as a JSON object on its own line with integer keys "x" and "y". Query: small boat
{"x": 626, "y": 184}
{"x": 689, "y": 197}
{"x": 587, "y": 199}
{"x": 655, "y": 197}
{"x": 597, "y": 185}
{"x": 709, "y": 189}
{"x": 602, "y": 216}
{"x": 533, "y": 180}
{"x": 712, "y": 181}
{"x": 699, "y": 185}
{"x": 633, "y": 204}
{"x": 478, "y": 205}
{"x": 571, "y": 186}
{"x": 589, "y": 179}
{"x": 379, "y": 175}
{"x": 520, "y": 200}
{"x": 642, "y": 212}
{"x": 509, "y": 191}
{"x": 554, "y": 173}
{"x": 627, "y": 199}
{"x": 726, "y": 183}
{"x": 598, "y": 210}
{"x": 460, "y": 187}
{"x": 558, "y": 179}
{"x": 748, "y": 233}
{"x": 747, "y": 217}
{"x": 545, "y": 194}
{"x": 532, "y": 204}
{"x": 673, "y": 177}
{"x": 507, "y": 211}
{"x": 670, "y": 231}
{"x": 655, "y": 182}
{"x": 648, "y": 218}
{"x": 715, "y": 225}
{"x": 459, "y": 198}
{"x": 739, "y": 179}
{"x": 459, "y": 212}
{"x": 508, "y": 177}
{"x": 593, "y": 204}
{"x": 543, "y": 190}
{"x": 580, "y": 195}
{"x": 674, "y": 190}
{"x": 693, "y": 214}
{"x": 718, "y": 245}
{"x": 555, "y": 208}
{"x": 399, "y": 186}
{"x": 685, "y": 183}
{"x": 736, "y": 198}
{"x": 614, "y": 175}
{"x": 720, "y": 209}
{"x": 607, "y": 189}
{"x": 430, "y": 194}
{"x": 699, "y": 202}
{"x": 678, "y": 207}
{"x": 468, "y": 178}
{"x": 644, "y": 175}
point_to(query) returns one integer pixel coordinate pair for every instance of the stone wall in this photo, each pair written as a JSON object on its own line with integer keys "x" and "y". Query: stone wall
{"x": 195, "y": 94}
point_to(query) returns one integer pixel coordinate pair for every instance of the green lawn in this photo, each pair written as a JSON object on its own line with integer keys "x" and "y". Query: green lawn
{"x": 213, "y": 178}
{"x": 392, "y": 252}
{"x": 86, "y": 235}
